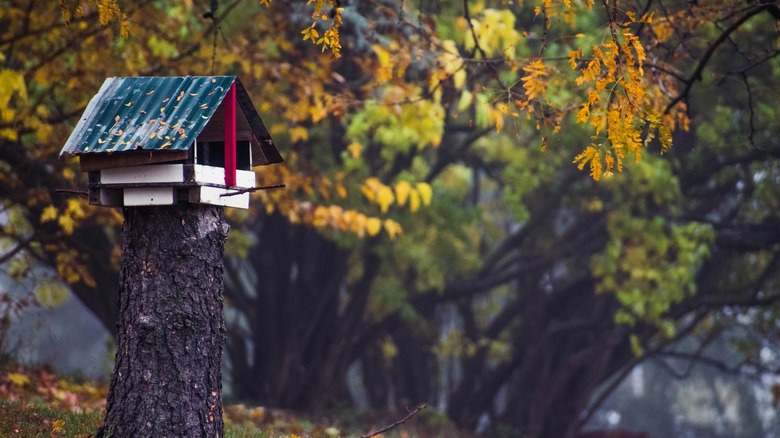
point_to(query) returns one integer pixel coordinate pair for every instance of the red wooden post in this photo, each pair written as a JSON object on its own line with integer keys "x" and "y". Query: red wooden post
{"x": 230, "y": 136}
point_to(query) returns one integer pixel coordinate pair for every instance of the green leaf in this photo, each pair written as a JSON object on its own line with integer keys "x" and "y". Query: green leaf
{"x": 636, "y": 346}
{"x": 238, "y": 243}
{"x": 51, "y": 293}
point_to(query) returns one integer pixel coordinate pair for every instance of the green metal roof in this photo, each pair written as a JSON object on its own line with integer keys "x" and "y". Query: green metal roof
{"x": 160, "y": 113}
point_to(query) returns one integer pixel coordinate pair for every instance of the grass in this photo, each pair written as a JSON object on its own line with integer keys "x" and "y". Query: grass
{"x": 39, "y": 403}
{"x": 22, "y": 419}
{"x": 25, "y": 419}
{"x": 33, "y": 419}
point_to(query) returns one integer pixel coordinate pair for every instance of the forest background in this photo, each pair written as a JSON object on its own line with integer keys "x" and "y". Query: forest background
{"x": 500, "y": 209}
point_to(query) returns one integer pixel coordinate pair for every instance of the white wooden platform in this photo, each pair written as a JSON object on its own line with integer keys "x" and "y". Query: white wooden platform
{"x": 167, "y": 184}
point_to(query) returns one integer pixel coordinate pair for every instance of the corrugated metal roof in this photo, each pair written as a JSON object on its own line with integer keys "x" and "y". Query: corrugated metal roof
{"x": 159, "y": 113}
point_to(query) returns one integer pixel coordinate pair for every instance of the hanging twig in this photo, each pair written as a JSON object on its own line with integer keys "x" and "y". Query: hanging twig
{"x": 254, "y": 189}
{"x": 72, "y": 192}
{"x": 397, "y": 423}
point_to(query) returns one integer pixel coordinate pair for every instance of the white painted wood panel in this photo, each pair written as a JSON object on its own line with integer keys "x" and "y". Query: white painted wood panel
{"x": 209, "y": 174}
{"x": 245, "y": 178}
{"x": 158, "y": 173}
{"x": 211, "y": 195}
{"x": 149, "y": 196}
{"x": 216, "y": 175}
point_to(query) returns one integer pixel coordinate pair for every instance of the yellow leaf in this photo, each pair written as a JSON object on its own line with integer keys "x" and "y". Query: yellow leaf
{"x": 310, "y": 33}
{"x": 320, "y": 216}
{"x": 533, "y": 79}
{"x": 57, "y": 426}
{"x": 384, "y": 197}
{"x": 574, "y": 56}
{"x": 367, "y": 192}
{"x": 392, "y": 228}
{"x": 357, "y": 222}
{"x": 18, "y": 379}
{"x": 369, "y": 188}
{"x": 11, "y": 83}
{"x": 9, "y": 133}
{"x": 402, "y": 190}
{"x": 341, "y": 191}
{"x": 49, "y": 214}
{"x": 595, "y": 167}
{"x": 68, "y": 173}
{"x": 67, "y": 223}
{"x": 590, "y": 155}
{"x": 414, "y": 201}
{"x": 459, "y": 79}
{"x": 584, "y": 113}
{"x": 335, "y": 214}
{"x": 583, "y": 157}
{"x": 465, "y": 100}
{"x": 499, "y": 123}
{"x": 76, "y": 206}
{"x": 373, "y": 226}
{"x": 425, "y": 191}
{"x": 389, "y": 349}
{"x": 355, "y": 149}
{"x": 299, "y": 133}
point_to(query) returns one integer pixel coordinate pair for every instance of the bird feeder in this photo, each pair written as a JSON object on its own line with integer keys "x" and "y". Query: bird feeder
{"x": 163, "y": 140}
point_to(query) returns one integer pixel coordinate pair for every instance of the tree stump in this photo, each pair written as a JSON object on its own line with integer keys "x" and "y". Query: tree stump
{"x": 167, "y": 376}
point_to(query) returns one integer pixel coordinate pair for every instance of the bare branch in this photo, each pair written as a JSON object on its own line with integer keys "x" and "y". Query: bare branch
{"x": 478, "y": 48}
{"x": 751, "y": 110}
{"x": 72, "y": 192}
{"x": 692, "y": 358}
{"x": 397, "y": 423}
{"x": 607, "y": 391}
{"x": 19, "y": 247}
{"x": 253, "y": 189}
{"x": 696, "y": 358}
{"x": 705, "y": 58}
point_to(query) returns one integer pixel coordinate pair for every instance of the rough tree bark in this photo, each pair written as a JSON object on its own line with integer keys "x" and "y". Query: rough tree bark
{"x": 167, "y": 377}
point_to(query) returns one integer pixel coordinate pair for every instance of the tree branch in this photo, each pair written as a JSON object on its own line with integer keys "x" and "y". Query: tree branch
{"x": 397, "y": 423}
{"x": 478, "y": 48}
{"x": 705, "y": 58}
{"x": 695, "y": 357}
{"x": 606, "y": 391}
{"x": 19, "y": 247}
{"x": 252, "y": 189}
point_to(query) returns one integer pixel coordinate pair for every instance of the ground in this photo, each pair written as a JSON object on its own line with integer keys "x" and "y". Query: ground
{"x": 37, "y": 402}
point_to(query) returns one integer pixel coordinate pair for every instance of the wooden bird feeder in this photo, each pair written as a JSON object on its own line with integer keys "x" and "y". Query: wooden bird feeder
{"x": 163, "y": 140}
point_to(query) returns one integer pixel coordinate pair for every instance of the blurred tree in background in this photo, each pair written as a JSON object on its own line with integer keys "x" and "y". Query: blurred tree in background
{"x": 435, "y": 242}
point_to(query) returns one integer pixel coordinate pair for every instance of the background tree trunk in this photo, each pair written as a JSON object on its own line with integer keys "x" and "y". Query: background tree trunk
{"x": 167, "y": 377}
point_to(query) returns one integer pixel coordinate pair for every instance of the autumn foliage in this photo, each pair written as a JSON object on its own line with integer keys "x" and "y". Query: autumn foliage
{"x": 45, "y": 386}
{"x": 484, "y": 201}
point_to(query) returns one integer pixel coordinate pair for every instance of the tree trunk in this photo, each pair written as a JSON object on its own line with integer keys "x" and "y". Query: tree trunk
{"x": 167, "y": 377}
{"x": 300, "y": 321}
